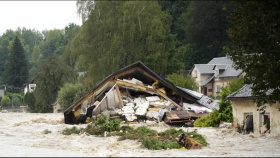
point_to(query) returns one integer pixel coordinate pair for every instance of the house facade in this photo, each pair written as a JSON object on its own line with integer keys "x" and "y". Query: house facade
{"x": 216, "y": 74}
{"x": 56, "y": 107}
{"x": 29, "y": 87}
{"x": 243, "y": 105}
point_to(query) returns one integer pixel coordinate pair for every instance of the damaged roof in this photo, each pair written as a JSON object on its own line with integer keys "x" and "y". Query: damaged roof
{"x": 202, "y": 99}
{"x": 127, "y": 71}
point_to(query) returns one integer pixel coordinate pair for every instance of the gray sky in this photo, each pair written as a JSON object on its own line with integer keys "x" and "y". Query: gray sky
{"x": 38, "y": 15}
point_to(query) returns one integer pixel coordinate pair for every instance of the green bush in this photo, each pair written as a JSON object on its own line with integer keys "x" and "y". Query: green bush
{"x": 16, "y": 101}
{"x": 30, "y": 100}
{"x": 138, "y": 134}
{"x": 225, "y": 107}
{"x": 69, "y": 131}
{"x": 102, "y": 124}
{"x": 156, "y": 144}
{"x": 113, "y": 125}
{"x": 5, "y": 101}
{"x": 42, "y": 108}
{"x": 46, "y": 131}
{"x": 101, "y": 120}
{"x": 171, "y": 133}
{"x": 69, "y": 93}
{"x": 127, "y": 128}
{"x": 198, "y": 137}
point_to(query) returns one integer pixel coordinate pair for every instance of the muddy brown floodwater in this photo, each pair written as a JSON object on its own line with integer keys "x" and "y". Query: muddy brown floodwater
{"x": 22, "y": 134}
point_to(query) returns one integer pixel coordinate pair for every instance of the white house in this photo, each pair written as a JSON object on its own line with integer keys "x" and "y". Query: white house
{"x": 243, "y": 105}
{"x": 213, "y": 76}
{"x": 29, "y": 87}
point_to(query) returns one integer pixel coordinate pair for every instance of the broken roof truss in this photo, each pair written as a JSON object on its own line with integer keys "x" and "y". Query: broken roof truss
{"x": 136, "y": 86}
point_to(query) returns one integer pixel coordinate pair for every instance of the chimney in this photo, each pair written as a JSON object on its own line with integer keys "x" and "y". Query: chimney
{"x": 228, "y": 56}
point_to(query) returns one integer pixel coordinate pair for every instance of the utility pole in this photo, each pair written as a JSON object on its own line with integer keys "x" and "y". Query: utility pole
{"x": 12, "y": 99}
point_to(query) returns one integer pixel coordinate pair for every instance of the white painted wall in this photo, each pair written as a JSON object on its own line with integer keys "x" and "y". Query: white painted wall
{"x": 242, "y": 106}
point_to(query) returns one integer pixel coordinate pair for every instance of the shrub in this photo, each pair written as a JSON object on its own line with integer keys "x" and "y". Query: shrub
{"x": 225, "y": 111}
{"x": 102, "y": 124}
{"x": 171, "y": 133}
{"x": 16, "y": 101}
{"x": 198, "y": 137}
{"x": 5, "y": 101}
{"x": 156, "y": 144}
{"x": 138, "y": 134}
{"x": 69, "y": 93}
{"x": 46, "y": 131}
{"x": 69, "y": 131}
{"x": 30, "y": 100}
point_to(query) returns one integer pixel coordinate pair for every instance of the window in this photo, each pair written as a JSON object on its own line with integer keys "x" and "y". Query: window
{"x": 266, "y": 119}
{"x": 248, "y": 123}
{"x": 195, "y": 73}
{"x": 218, "y": 88}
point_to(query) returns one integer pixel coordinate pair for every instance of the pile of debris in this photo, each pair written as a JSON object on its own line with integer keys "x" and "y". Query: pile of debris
{"x": 142, "y": 106}
{"x": 135, "y": 93}
{"x": 187, "y": 142}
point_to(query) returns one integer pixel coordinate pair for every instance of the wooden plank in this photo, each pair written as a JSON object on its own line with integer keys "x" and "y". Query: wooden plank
{"x": 153, "y": 109}
{"x": 167, "y": 98}
{"x": 120, "y": 82}
{"x": 119, "y": 96}
{"x": 87, "y": 96}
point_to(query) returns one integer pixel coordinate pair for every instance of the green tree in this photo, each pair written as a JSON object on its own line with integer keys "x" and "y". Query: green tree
{"x": 204, "y": 26}
{"x": 53, "y": 74}
{"x": 5, "y": 101}
{"x": 16, "y": 71}
{"x": 84, "y": 8}
{"x": 5, "y": 39}
{"x": 30, "y": 101}
{"x": 69, "y": 93}
{"x": 182, "y": 81}
{"x": 255, "y": 33}
{"x": 123, "y": 32}
{"x": 70, "y": 32}
{"x": 176, "y": 9}
{"x": 52, "y": 44}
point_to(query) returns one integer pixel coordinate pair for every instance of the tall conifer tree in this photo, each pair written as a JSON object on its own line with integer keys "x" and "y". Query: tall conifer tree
{"x": 16, "y": 71}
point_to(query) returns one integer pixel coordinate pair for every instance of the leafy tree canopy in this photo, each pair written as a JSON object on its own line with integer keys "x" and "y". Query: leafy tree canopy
{"x": 181, "y": 81}
{"x": 255, "y": 32}
{"x": 69, "y": 93}
{"x": 123, "y": 32}
{"x": 53, "y": 74}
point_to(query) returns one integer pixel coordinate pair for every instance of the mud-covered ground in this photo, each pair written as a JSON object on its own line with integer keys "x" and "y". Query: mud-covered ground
{"x": 22, "y": 134}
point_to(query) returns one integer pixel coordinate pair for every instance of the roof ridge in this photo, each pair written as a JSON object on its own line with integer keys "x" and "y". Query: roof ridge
{"x": 240, "y": 89}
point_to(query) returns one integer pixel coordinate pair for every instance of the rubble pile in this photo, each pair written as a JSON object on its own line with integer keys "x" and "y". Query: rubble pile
{"x": 136, "y": 93}
{"x": 140, "y": 102}
{"x": 188, "y": 143}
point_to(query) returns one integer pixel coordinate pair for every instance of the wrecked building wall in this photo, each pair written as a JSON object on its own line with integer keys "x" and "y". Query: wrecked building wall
{"x": 247, "y": 106}
{"x": 136, "y": 77}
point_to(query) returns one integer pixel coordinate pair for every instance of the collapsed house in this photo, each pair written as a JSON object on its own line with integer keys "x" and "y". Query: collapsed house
{"x": 136, "y": 93}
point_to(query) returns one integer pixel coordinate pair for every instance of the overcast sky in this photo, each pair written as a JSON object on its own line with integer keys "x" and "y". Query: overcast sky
{"x": 38, "y": 15}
